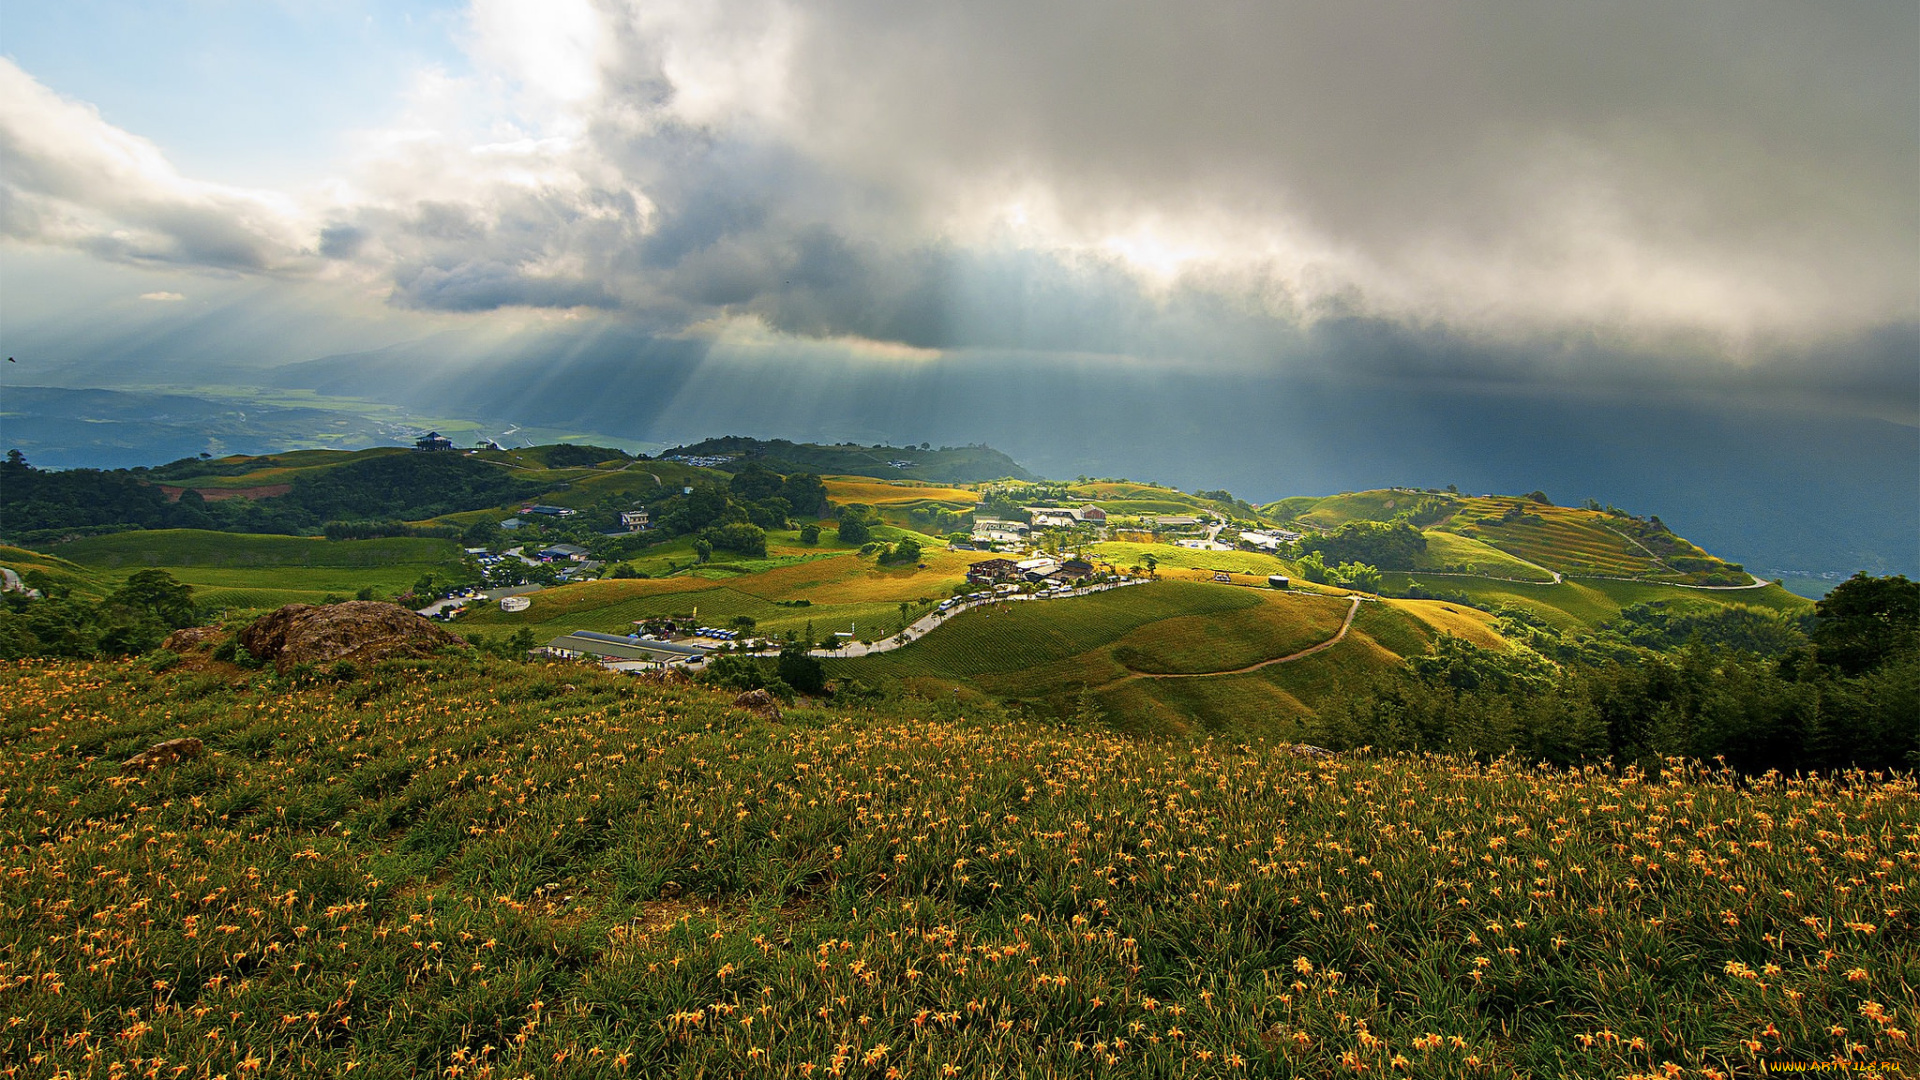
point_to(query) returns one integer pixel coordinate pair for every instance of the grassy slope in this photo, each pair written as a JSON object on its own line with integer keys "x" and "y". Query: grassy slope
{"x": 1446, "y": 551}
{"x": 1332, "y": 511}
{"x": 71, "y": 575}
{"x": 476, "y": 869}
{"x": 1578, "y": 604}
{"x": 242, "y": 570}
{"x": 1050, "y": 653}
{"x": 1170, "y": 557}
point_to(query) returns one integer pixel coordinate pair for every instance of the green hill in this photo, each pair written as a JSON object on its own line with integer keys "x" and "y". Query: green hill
{"x": 237, "y": 570}
{"x": 1162, "y": 657}
{"x": 492, "y": 869}
{"x": 953, "y": 464}
{"x": 62, "y": 573}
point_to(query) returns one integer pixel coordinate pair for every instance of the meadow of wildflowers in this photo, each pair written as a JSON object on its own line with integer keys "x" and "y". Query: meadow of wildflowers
{"x": 465, "y": 868}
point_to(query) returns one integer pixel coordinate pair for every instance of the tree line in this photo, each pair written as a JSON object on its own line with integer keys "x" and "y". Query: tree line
{"x": 1744, "y": 685}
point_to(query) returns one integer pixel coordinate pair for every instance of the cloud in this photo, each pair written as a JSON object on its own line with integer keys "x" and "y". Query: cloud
{"x": 163, "y": 297}
{"x": 1396, "y": 190}
{"x": 69, "y": 179}
{"x": 486, "y": 286}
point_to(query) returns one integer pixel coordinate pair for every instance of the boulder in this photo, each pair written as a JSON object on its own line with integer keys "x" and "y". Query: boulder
{"x": 1308, "y": 751}
{"x": 161, "y": 755}
{"x": 664, "y": 676}
{"x": 362, "y": 631}
{"x": 759, "y": 703}
{"x": 193, "y": 638}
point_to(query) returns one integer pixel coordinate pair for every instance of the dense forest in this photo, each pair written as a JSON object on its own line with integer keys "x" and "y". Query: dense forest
{"x": 38, "y": 504}
{"x": 1746, "y": 685}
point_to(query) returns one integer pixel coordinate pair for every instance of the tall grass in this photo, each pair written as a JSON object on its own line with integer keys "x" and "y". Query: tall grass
{"x": 483, "y": 871}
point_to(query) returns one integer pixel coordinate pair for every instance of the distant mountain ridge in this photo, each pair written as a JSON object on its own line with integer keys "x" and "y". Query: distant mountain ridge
{"x": 953, "y": 464}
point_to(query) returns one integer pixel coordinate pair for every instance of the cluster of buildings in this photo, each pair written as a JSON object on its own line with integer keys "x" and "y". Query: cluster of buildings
{"x": 702, "y": 461}
{"x": 988, "y": 532}
{"x": 1041, "y": 570}
{"x": 1270, "y": 541}
{"x": 632, "y": 652}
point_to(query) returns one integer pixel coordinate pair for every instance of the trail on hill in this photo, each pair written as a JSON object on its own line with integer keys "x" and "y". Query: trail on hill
{"x": 1345, "y": 624}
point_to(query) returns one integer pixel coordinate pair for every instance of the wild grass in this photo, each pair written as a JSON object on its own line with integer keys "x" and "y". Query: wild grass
{"x": 459, "y": 870}
{"x": 865, "y": 489}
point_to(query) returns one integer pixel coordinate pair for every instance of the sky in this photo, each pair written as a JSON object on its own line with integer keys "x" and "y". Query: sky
{"x": 1709, "y": 205}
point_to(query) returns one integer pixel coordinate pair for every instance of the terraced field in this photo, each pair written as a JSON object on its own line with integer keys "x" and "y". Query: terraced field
{"x": 1453, "y": 553}
{"x": 1577, "y": 604}
{"x": 1568, "y": 540}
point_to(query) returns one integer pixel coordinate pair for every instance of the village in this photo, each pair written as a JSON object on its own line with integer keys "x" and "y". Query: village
{"x": 1046, "y": 556}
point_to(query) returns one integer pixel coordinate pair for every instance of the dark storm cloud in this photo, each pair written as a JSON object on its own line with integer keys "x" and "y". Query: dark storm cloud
{"x": 488, "y": 286}
{"x": 1640, "y": 193}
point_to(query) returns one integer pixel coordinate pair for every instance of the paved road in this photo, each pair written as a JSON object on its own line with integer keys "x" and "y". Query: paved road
{"x": 491, "y": 596}
{"x": 927, "y": 623}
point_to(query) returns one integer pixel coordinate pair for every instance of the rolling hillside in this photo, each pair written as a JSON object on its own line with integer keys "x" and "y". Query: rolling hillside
{"x": 1168, "y": 656}
{"x": 473, "y": 868}
{"x": 1581, "y": 542}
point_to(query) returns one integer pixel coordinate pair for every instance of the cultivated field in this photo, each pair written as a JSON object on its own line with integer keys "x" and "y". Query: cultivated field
{"x": 478, "y": 870}
{"x": 1460, "y": 554}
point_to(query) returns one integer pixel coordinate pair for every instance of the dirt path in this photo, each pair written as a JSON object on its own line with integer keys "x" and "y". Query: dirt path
{"x": 1345, "y": 624}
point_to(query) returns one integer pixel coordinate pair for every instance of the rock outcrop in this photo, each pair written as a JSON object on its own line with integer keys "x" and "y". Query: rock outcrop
{"x": 193, "y": 638}
{"x": 162, "y": 755}
{"x": 361, "y": 631}
{"x": 759, "y": 703}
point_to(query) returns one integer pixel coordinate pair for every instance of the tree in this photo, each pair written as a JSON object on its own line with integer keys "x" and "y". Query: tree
{"x": 1153, "y": 565}
{"x": 906, "y": 551}
{"x": 853, "y": 527}
{"x": 756, "y": 482}
{"x": 799, "y": 670}
{"x": 156, "y": 593}
{"x": 702, "y": 549}
{"x": 806, "y": 492}
{"x": 1389, "y": 545}
{"x": 1313, "y": 568}
{"x": 1866, "y": 620}
{"x": 744, "y": 623}
{"x": 809, "y": 534}
{"x": 1355, "y": 576}
{"x": 740, "y": 537}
